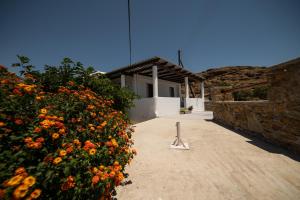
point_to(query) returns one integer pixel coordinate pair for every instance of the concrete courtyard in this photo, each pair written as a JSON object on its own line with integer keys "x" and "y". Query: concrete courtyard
{"x": 221, "y": 164}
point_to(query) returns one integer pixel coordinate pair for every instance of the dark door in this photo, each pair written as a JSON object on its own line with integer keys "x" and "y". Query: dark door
{"x": 172, "y": 92}
{"x": 149, "y": 90}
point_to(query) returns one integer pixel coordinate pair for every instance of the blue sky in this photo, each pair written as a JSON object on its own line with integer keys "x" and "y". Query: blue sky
{"x": 211, "y": 33}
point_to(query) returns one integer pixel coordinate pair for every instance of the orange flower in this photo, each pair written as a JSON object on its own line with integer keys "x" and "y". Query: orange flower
{"x": 101, "y": 167}
{"x": 37, "y": 145}
{"x": 37, "y": 130}
{"x": 92, "y": 128}
{"x": 36, "y": 193}
{"x": 28, "y": 139}
{"x": 44, "y": 111}
{"x": 62, "y": 131}
{"x": 2, "y": 124}
{"x": 69, "y": 149}
{"x": 20, "y": 191}
{"x": 70, "y": 183}
{"x": 38, "y": 98}
{"x": 18, "y": 121}
{"x": 29, "y": 181}
{"x": 93, "y": 114}
{"x": 108, "y": 143}
{"x": 95, "y": 179}
{"x": 62, "y": 153}
{"x": 47, "y": 123}
{"x": 92, "y": 151}
{"x": 105, "y": 176}
{"x": 57, "y": 160}
{"x": 40, "y": 140}
{"x": 103, "y": 123}
{"x": 55, "y": 136}
{"x": 41, "y": 116}
{"x": 89, "y": 144}
{"x": 116, "y": 163}
{"x": 16, "y": 180}
{"x": 114, "y": 142}
{"x": 17, "y": 92}
{"x": 120, "y": 176}
{"x": 95, "y": 170}
{"x": 90, "y": 107}
{"x": 59, "y": 124}
{"x": 76, "y": 141}
{"x": 112, "y": 174}
{"x": 20, "y": 170}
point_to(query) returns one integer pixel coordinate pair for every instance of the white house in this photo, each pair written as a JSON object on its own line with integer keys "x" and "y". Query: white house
{"x": 158, "y": 84}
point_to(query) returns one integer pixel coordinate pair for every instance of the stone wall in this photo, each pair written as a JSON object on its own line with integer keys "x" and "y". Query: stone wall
{"x": 278, "y": 119}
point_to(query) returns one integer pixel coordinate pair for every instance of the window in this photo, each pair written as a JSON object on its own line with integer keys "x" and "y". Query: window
{"x": 149, "y": 90}
{"x": 172, "y": 92}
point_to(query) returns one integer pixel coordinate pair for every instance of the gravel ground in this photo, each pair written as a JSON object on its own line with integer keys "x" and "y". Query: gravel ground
{"x": 220, "y": 164}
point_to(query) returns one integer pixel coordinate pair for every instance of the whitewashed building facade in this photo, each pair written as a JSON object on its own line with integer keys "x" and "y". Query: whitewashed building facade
{"x": 158, "y": 84}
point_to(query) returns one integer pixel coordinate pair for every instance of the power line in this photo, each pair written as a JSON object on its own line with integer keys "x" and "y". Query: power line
{"x": 129, "y": 29}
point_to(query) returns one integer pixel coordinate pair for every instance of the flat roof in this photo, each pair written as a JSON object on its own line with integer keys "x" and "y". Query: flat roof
{"x": 165, "y": 70}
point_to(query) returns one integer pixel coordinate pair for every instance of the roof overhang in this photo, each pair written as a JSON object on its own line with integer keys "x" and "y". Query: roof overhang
{"x": 165, "y": 71}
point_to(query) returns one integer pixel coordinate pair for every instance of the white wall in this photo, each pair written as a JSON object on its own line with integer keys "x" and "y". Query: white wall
{"x": 168, "y": 106}
{"x": 142, "y": 81}
{"x": 197, "y": 103}
{"x": 163, "y": 86}
{"x": 143, "y": 110}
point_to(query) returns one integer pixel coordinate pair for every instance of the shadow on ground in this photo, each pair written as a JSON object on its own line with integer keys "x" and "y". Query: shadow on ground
{"x": 260, "y": 141}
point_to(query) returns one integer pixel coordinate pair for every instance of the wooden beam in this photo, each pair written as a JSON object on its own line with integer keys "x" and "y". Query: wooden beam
{"x": 133, "y": 66}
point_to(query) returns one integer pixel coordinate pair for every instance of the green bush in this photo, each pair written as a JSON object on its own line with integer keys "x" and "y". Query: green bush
{"x": 258, "y": 93}
{"x": 243, "y": 95}
{"x": 64, "y": 142}
{"x": 55, "y": 76}
{"x": 261, "y": 92}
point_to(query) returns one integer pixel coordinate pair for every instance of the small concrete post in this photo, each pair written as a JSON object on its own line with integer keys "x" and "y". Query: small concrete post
{"x": 178, "y": 130}
{"x": 123, "y": 84}
{"x": 178, "y": 143}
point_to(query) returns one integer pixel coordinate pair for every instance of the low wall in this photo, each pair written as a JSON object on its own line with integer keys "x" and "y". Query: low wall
{"x": 278, "y": 119}
{"x": 143, "y": 110}
{"x": 168, "y": 106}
{"x": 197, "y": 104}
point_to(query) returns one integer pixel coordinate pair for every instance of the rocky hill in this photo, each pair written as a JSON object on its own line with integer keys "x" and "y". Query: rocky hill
{"x": 235, "y": 81}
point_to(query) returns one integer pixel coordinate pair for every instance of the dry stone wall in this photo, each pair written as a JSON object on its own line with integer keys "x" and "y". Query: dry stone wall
{"x": 278, "y": 119}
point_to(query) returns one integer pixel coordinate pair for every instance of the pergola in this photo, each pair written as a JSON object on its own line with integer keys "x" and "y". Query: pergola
{"x": 158, "y": 68}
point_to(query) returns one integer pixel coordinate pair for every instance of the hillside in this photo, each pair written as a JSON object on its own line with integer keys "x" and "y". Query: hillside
{"x": 235, "y": 81}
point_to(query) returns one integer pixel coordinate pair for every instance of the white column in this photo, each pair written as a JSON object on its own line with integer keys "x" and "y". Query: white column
{"x": 179, "y": 90}
{"x": 155, "y": 81}
{"x": 202, "y": 90}
{"x": 187, "y": 93}
{"x": 123, "y": 84}
{"x": 155, "y": 89}
{"x": 135, "y": 84}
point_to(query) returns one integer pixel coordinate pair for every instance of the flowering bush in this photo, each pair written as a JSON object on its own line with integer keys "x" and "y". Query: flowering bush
{"x": 68, "y": 144}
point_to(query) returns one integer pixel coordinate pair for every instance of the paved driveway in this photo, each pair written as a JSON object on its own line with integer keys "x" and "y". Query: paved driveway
{"x": 220, "y": 164}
